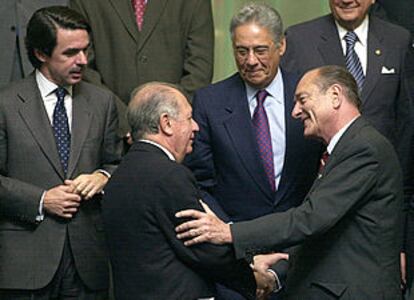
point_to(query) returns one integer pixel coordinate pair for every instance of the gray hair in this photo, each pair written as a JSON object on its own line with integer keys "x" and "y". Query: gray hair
{"x": 330, "y": 75}
{"x": 261, "y": 14}
{"x": 148, "y": 102}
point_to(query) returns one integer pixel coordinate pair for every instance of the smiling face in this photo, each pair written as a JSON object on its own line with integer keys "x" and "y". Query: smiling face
{"x": 313, "y": 108}
{"x": 68, "y": 59}
{"x": 350, "y": 13}
{"x": 257, "y": 56}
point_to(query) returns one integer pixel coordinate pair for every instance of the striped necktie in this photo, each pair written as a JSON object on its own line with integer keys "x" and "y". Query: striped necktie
{"x": 352, "y": 60}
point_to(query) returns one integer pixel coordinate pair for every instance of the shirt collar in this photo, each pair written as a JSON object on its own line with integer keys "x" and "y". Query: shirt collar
{"x": 338, "y": 135}
{"x": 275, "y": 89}
{"x": 168, "y": 153}
{"x": 361, "y": 31}
{"x": 48, "y": 87}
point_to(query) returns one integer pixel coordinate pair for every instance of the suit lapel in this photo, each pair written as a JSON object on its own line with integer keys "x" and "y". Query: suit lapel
{"x": 376, "y": 54}
{"x": 153, "y": 11}
{"x": 330, "y": 47}
{"x": 240, "y": 131}
{"x": 33, "y": 113}
{"x": 126, "y": 14}
{"x": 81, "y": 120}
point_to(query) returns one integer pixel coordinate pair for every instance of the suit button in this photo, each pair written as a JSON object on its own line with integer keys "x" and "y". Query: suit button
{"x": 143, "y": 59}
{"x": 13, "y": 28}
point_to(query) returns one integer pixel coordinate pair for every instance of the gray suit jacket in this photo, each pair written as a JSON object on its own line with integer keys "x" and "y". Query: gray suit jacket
{"x": 14, "y": 16}
{"x": 30, "y": 252}
{"x": 175, "y": 45}
{"x": 348, "y": 228}
{"x": 385, "y": 100}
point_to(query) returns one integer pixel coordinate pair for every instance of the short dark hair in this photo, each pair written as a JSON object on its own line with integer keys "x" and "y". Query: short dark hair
{"x": 42, "y": 28}
{"x": 332, "y": 74}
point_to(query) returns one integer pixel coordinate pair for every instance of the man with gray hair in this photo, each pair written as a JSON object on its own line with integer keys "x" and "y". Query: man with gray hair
{"x": 250, "y": 157}
{"x": 141, "y": 199}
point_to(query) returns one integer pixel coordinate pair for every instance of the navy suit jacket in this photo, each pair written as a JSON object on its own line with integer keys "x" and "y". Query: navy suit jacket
{"x": 226, "y": 161}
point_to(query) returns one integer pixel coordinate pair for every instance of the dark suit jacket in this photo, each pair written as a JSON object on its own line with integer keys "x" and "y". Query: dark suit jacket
{"x": 30, "y": 252}
{"x": 148, "y": 261}
{"x": 226, "y": 160}
{"x": 349, "y": 225}
{"x": 14, "y": 15}
{"x": 385, "y": 101}
{"x": 175, "y": 45}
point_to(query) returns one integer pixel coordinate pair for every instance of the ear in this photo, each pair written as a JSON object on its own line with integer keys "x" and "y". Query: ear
{"x": 165, "y": 125}
{"x": 40, "y": 55}
{"x": 336, "y": 95}
{"x": 282, "y": 46}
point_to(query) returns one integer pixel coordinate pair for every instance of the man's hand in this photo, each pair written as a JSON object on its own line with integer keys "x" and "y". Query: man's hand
{"x": 263, "y": 262}
{"x": 265, "y": 284}
{"x": 206, "y": 227}
{"x": 87, "y": 185}
{"x": 61, "y": 201}
{"x": 403, "y": 265}
{"x": 265, "y": 280}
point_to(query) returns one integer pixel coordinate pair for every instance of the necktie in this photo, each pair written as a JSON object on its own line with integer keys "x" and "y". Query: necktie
{"x": 352, "y": 60}
{"x": 61, "y": 128}
{"x": 322, "y": 162}
{"x": 139, "y": 9}
{"x": 261, "y": 126}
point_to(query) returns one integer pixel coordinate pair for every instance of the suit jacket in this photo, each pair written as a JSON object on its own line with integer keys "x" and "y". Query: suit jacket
{"x": 175, "y": 45}
{"x": 15, "y": 15}
{"x": 349, "y": 225}
{"x": 226, "y": 159}
{"x": 385, "y": 100}
{"x": 148, "y": 261}
{"x": 30, "y": 252}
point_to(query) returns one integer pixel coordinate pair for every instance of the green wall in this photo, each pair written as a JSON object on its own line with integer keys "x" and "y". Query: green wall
{"x": 292, "y": 12}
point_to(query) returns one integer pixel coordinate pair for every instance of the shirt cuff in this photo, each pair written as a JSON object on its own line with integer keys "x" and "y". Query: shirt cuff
{"x": 278, "y": 285}
{"x": 41, "y": 216}
{"x": 106, "y": 173}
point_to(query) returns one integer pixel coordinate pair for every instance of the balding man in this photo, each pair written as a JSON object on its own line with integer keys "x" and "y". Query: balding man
{"x": 348, "y": 229}
{"x": 142, "y": 198}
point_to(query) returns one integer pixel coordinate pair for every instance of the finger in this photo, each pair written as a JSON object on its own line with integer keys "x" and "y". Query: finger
{"x": 92, "y": 192}
{"x": 188, "y": 234}
{"x": 188, "y": 225}
{"x": 194, "y": 241}
{"x": 190, "y": 213}
{"x": 206, "y": 208}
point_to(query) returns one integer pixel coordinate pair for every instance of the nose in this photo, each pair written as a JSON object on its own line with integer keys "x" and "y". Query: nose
{"x": 195, "y": 126}
{"x": 82, "y": 58}
{"x": 297, "y": 111}
{"x": 251, "y": 58}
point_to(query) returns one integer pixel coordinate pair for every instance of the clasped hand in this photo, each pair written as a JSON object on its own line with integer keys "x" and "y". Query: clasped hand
{"x": 64, "y": 200}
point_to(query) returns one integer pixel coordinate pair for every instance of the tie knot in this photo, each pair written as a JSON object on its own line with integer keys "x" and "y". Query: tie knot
{"x": 261, "y": 96}
{"x": 350, "y": 38}
{"x": 60, "y": 93}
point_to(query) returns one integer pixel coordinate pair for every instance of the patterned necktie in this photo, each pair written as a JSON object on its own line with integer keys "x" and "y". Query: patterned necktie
{"x": 323, "y": 161}
{"x": 352, "y": 60}
{"x": 264, "y": 141}
{"x": 61, "y": 128}
{"x": 139, "y": 9}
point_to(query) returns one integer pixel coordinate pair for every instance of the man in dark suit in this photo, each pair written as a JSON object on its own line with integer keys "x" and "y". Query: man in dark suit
{"x": 174, "y": 43}
{"x": 13, "y": 57}
{"x": 57, "y": 150}
{"x": 383, "y": 50}
{"x": 226, "y": 159}
{"x": 348, "y": 229}
{"x": 140, "y": 201}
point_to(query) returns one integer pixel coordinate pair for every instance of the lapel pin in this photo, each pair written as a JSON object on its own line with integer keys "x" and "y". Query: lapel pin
{"x": 378, "y": 52}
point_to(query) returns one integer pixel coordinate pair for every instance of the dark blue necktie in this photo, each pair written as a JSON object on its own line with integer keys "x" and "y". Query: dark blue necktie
{"x": 352, "y": 60}
{"x": 61, "y": 128}
{"x": 263, "y": 138}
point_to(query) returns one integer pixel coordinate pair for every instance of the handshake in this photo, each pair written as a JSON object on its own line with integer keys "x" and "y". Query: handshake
{"x": 266, "y": 279}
